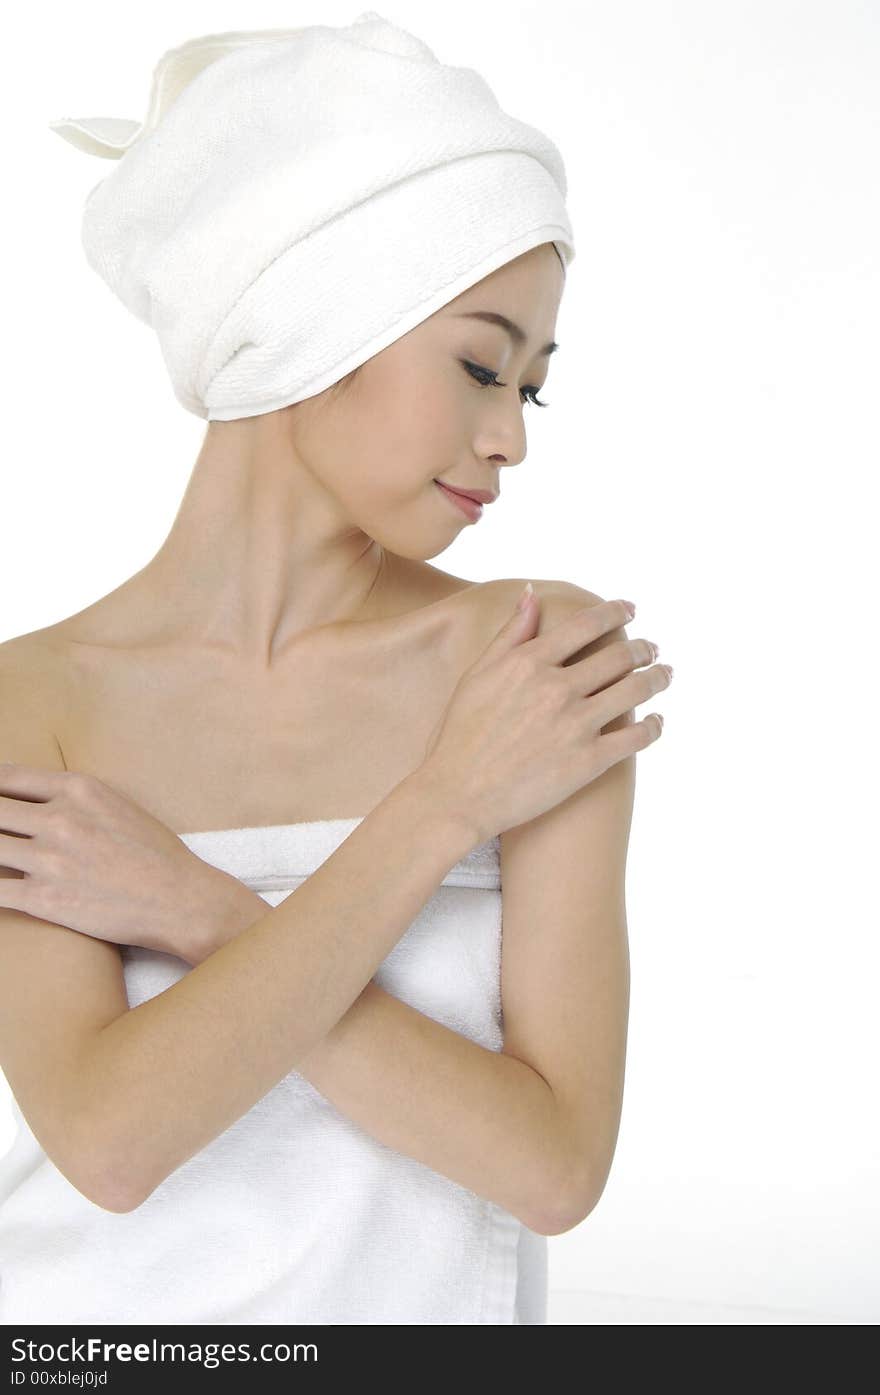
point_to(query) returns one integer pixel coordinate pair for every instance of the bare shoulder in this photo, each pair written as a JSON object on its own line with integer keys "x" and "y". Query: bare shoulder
{"x": 32, "y": 675}
{"x": 37, "y": 647}
{"x": 558, "y": 599}
{"x": 494, "y": 601}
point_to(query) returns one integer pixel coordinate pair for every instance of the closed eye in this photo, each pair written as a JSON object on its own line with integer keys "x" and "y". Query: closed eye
{"x": 486, "y": 378}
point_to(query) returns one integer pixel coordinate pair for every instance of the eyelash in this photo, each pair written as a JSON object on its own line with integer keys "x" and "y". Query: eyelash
{"x": 486, "y": 378}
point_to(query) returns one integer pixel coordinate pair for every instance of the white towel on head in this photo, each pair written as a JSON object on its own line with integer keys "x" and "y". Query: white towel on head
{"x": 295, "y": 200}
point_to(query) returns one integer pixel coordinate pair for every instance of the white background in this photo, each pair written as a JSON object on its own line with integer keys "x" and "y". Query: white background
{"x": 710, "y": 453}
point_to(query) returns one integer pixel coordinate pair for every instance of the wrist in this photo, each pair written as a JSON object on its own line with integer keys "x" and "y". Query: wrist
{"x": 231, "y": 908}
{"x": 441, "y": 811}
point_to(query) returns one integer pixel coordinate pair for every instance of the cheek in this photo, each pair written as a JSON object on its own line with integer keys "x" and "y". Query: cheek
{"x": 443, "y": 423}
{"x": 414, "y": 442}
{"x": 389, "y": 440}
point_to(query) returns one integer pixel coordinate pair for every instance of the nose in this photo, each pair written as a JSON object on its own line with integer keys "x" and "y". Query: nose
{"x": 510, "y": 456}
{"x": 501, "y": 433}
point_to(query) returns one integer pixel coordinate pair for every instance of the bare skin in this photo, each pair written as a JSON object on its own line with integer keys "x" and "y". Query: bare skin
{"x": 283, "y": 658}
{"x": 288, "y": 650}
{"x": 327, "y": 734}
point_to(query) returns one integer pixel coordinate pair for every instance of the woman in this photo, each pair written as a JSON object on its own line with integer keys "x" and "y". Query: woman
{"x": 315, "y": 1113}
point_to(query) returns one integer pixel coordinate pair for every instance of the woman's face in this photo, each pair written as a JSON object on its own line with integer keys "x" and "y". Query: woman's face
{"x": 414, "y": 413}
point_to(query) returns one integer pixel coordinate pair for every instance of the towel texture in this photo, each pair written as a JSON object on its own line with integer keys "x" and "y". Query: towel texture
{"x": 294, "y": 1213}
{"x": 297, "y": 199}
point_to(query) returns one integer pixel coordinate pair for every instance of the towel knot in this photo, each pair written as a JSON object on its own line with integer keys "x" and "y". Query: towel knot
{"x": 110, "y": 136}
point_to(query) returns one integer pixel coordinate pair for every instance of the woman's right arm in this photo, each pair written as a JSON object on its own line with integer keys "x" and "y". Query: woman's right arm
{"x": 167, "y": 1077}
{"x": 120, "y": 1098}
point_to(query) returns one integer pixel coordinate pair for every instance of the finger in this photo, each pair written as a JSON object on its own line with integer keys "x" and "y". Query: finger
{"x": 579, "y": 629}
{"x": 14, "y": 894}
{"x": 30, "y": 782}
{"x": 520, "y": 625}
{"x": 608, "y": 664}
{"x": 17, "y": 853}
{"x": 615, "y": 746}
{"x": 629, "y": 692}
{"x": 24, "y": 816}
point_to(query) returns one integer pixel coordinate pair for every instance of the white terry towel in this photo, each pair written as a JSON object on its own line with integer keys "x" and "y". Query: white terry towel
{"x": 294, "y": 1213}
{"x": 296, "y": 200}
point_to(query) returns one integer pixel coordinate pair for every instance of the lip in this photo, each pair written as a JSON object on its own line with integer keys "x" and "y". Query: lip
{"x": 479, "y": 496}
{"x": 471, "y": 508}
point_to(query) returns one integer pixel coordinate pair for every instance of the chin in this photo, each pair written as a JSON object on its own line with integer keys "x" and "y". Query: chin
{"x": 411, "y": 552}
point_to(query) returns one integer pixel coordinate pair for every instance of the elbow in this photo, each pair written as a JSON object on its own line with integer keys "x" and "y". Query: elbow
{"x": 120, "y": 1198}
{"x": 566, "y": 1217}
{"x": 579, "y": 1200}
{"x": 97, "y": 1190}
{"x": 106, "y": 1191}
{"x": 101, "y": 1179}
{"x": 115, "y": 1192}
{"x": 562, "y": 1206}
{"x": 116, "y": 1206}
{"x": 580, "y": 1181}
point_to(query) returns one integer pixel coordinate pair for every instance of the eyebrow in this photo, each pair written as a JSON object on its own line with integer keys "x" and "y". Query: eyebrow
{"x": 517, "y": 335}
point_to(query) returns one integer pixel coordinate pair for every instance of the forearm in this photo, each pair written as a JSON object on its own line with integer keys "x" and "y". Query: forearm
{"x": 167, "y": 1077}
{"x": 484, "y": 1119}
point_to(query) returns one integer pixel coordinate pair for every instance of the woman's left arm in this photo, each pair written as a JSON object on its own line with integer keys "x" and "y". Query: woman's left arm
{"x": 422, "y": 1088}
{"x": 418, "y": 1086}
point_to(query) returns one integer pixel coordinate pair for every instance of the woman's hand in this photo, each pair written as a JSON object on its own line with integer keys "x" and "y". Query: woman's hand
{"x": 523, "y": 729}
{"x": 98, "y": 863}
